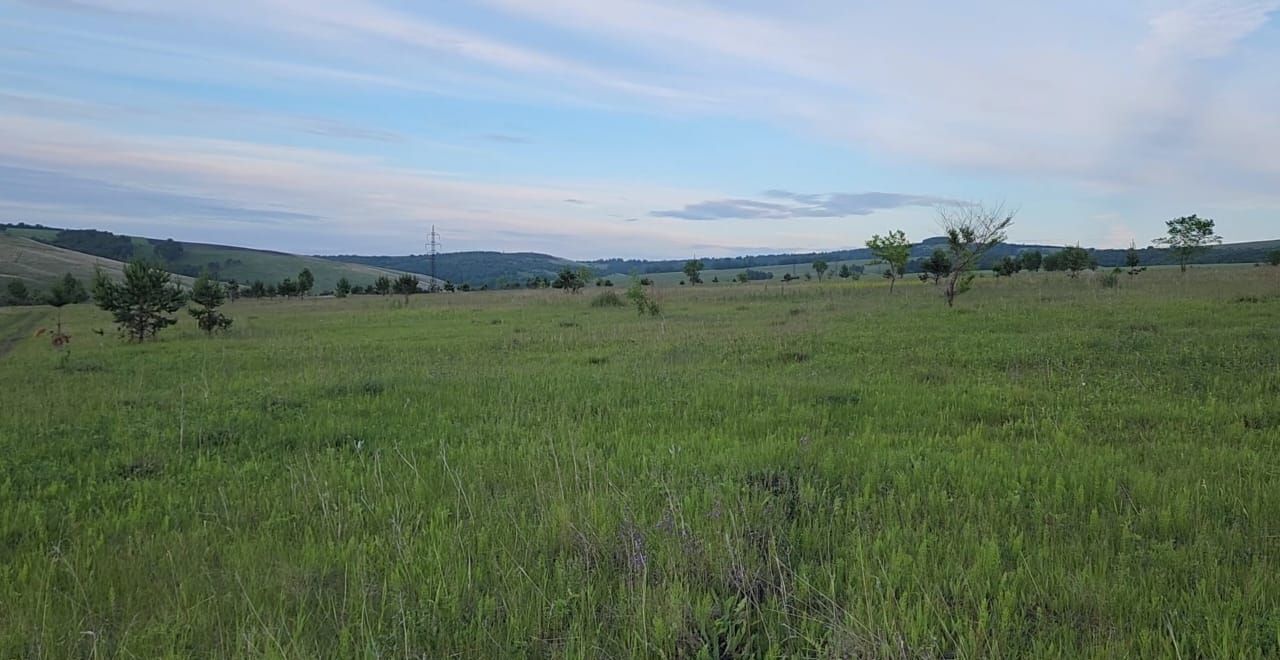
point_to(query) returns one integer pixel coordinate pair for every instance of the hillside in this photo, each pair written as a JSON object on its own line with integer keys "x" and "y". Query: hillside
{"x": 475, "y": 268}
{"x": 189, "y": 259}
{"x": 38, "y": 263}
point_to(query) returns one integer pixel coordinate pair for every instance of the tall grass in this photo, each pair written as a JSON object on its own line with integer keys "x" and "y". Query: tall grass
{"x": 1052, "y": 468}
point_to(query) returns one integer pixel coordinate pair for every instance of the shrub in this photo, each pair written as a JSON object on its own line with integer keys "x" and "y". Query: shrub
{"x": 607, "y": 299}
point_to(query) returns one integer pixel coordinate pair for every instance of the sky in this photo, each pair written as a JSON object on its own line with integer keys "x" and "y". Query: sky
{"x": 631, "y": 128}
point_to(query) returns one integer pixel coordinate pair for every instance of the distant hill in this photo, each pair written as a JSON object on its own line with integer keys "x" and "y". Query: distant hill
{"x": 475, "y": 268}
{"x": 38, "y": 264}
{"x": 188, "y": 259}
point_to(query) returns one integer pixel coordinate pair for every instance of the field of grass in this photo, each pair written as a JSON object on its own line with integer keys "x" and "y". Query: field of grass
{"x": 1051, "y": 469}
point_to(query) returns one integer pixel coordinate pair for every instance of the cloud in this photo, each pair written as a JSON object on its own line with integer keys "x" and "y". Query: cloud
{"x": 800, "y": 205}
{"x": 505, "y": 138}
{"x": 21, "y": 185}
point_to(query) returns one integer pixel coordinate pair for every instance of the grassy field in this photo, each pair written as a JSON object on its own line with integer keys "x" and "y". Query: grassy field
{"x": 823, "y": 470}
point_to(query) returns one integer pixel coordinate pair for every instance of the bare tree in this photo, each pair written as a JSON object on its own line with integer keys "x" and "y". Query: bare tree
{"x": 972, "y": 230}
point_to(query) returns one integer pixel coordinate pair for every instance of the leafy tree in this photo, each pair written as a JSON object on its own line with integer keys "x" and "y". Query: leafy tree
{"x": 1273, "y": 258}
{"x": 715, "y": 280}
{"x": 208, "y": 295}
{"x": 1133, "y": 259}
{"x": 287, "y": 288}
{"x": 233, "y": 290}
{"x": 343, "y": 288}
{"x": 18, "y": 292}
{"x": 258, "y": 289}
{"x": 571, "y": 280}
{"x": 382, "y": 285}
{"x": 844, "y": 273}
{"x": 271, "y": 291}
{"x": 937, "y": 266}
{"x": 787, "y": 277}
{"x": 140, "y": 305}
{"x": 692, "y": 271}
{"x": 972, "y": 231}
{"x": 1074, "y": 260}
{"x": 1188, "y": 236}
{"x": 306, "y": 281}
{"x": 466, "y": 286}
{"x": 1007, "y": 267}
{"x": 894, "y": 250}
{"x": 820, "y": 267}
{"x": 406, "y": 285}
{"x": 66, "y": 291}
{"x": 449, "y": 287}
{"x": 1031, "y": 261}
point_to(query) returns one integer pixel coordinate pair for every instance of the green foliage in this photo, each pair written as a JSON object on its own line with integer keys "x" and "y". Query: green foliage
{"x": 98, "y": 243}
{"x": 168, "y": 250}
{"x": 893, "y": 250}
{"x": 1188, "y": 236}
{"x": 406, "y": 285}
{"x": 140, "y": 305}
{"x": 208, "y": 295}
{"x": 306, "y": 281}
{"x": 1007, "y": 267}
{"x": 343, "y": 288}
{"x": 18, "y": 293}
{"x": 66, "y": 291}
{"x": 1273, "y": 258}
{"x": 1111, "y": 280}
{"x": 937, "y": 266}
{"x": 1074, "y": 260}
{"x": 642, "y": 300}
{"x": 1031, "y": 260}
{"x": 382, "y": 285}
{"x": 608, "y": 299}
{"x": 820, "y": 267}
{"x": 693, "y": 271}
{"x": 572, "y": 279}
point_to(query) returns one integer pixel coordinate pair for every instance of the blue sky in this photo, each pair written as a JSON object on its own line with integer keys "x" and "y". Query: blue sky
{"x": 664, "y": 128}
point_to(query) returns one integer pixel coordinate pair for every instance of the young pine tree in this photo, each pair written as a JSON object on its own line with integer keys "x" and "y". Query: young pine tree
{"x": 208, "y": 295}
{"x": 141, "y": 305}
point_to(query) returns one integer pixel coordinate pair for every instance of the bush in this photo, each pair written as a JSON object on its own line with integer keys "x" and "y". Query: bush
{"x": 1111, "y": 280}
{"x": 607, "y": 299}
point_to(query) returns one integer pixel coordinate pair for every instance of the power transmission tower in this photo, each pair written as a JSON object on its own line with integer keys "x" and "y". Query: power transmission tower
{"x": 433, "y": 247}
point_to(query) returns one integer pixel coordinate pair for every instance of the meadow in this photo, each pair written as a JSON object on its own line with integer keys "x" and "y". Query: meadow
{"x": 1051, "y": 469}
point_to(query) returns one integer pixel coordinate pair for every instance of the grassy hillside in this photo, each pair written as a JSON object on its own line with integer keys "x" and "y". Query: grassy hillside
{"x": 225, "y": 262}
{"x": 38, "y": 263}
{"x": 475, "y": 268}
{"x": 1053, "y": 469}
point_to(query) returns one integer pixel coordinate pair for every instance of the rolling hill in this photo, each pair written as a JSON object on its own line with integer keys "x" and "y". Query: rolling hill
{"x": 475, "y": 268}
{"x": 47, "y": 250}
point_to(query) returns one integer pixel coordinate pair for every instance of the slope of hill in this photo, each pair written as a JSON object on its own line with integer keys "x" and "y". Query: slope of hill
{"x": 38, "y": 263}
{"x": 189, "y": 259}
{"x": 475, "y": 268}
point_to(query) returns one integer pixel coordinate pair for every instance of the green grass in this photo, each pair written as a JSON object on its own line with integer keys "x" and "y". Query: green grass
{"x": 1051, "y": 469}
